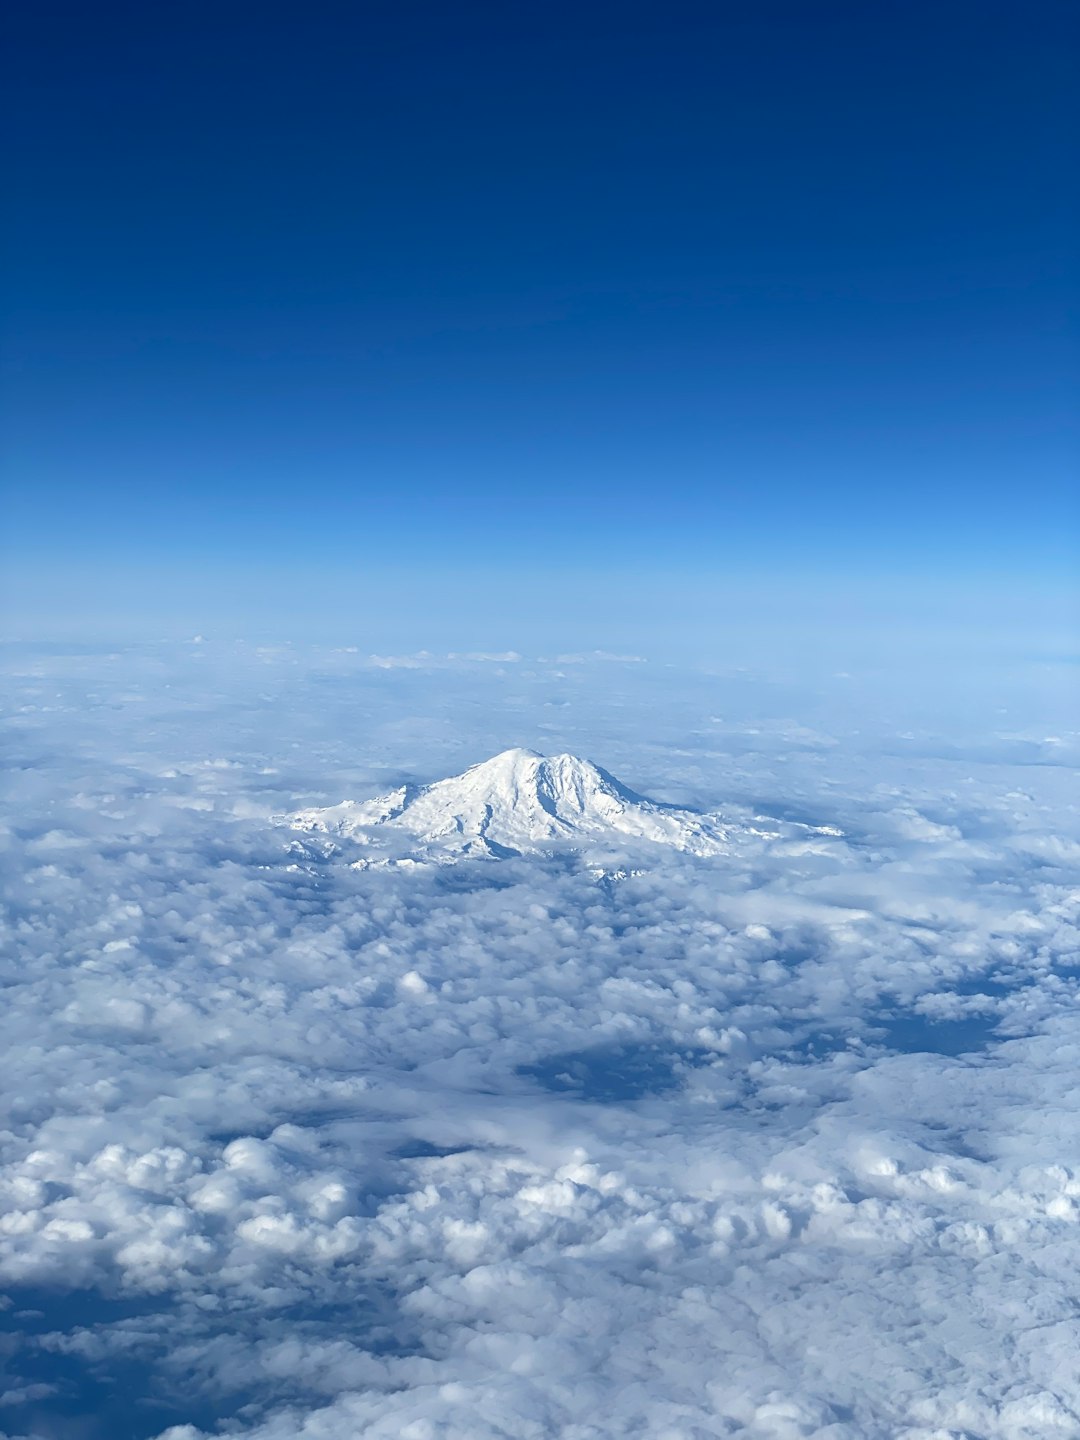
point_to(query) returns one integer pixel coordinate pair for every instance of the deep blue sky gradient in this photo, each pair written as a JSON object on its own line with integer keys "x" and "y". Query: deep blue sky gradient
{"x": 347, "y": 291}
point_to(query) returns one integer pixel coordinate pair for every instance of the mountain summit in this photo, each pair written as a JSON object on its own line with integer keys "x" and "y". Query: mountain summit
{"x": 516, "y": 803}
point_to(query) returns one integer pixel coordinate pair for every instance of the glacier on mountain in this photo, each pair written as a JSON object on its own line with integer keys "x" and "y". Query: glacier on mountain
{"x": 519, "y": 802}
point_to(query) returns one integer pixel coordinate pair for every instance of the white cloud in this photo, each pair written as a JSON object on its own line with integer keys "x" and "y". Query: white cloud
{"x": 780, "y": 1142}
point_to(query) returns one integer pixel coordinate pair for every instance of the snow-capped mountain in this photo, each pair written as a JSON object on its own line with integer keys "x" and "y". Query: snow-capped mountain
{"x": 516, "y": 803}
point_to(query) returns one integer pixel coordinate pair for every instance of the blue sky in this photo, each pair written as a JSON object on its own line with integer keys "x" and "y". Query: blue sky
{"x": 417, "y": 300}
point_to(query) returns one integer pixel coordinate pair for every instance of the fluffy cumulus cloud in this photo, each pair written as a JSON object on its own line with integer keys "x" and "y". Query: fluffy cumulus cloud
{"x": 780, "y": 1142}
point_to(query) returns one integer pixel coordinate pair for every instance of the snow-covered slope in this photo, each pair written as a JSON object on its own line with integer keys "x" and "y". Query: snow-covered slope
{"x": 516, "y": 803}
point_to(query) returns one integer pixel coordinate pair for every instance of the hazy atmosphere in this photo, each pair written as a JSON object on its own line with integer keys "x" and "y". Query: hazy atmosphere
{"x": 539, "y": 654}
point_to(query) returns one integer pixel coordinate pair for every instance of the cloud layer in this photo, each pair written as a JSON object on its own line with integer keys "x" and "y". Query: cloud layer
{"x": 775, "y": 1143}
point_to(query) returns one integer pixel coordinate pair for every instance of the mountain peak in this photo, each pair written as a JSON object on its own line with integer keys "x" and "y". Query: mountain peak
{"x": 516, "y": 802}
